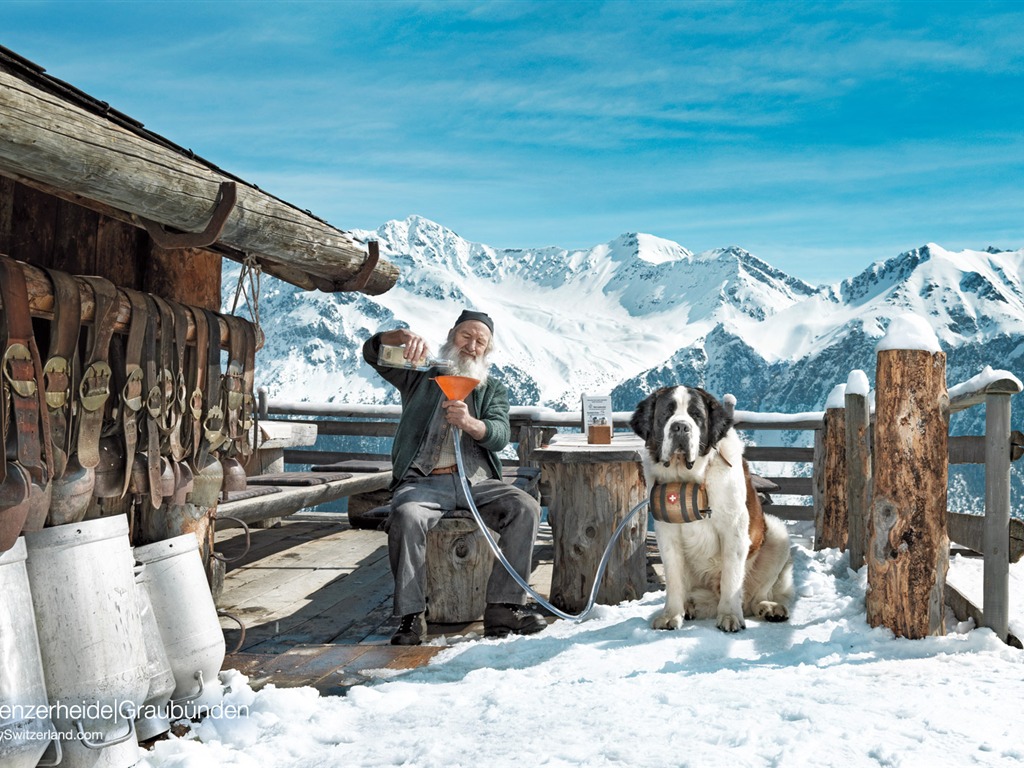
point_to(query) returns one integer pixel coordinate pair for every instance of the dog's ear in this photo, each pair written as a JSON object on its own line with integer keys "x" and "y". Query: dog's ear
{"x": 719, "y": 418}
{"x": 642, "y": 420}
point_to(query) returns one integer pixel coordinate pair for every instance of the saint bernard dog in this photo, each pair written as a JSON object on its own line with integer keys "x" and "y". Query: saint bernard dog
{"x": 723, "y": 557}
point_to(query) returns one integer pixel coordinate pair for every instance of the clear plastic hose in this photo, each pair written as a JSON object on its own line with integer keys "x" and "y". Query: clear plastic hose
{"x": 508, "y": 566}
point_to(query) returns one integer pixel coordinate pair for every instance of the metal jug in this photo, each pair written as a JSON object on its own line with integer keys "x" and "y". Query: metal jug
{"x": 90, "y": 637}
{"x": 187, "y": 618}
{"x": 22, "y": 687}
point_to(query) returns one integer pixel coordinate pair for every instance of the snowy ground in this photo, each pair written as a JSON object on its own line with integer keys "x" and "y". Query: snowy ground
{"x": 823, "y": 689}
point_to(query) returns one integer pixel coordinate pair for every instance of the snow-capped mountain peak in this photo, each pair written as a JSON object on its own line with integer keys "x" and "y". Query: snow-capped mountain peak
{"x": 570, "y": 321}
{"x": 639, "y": 312}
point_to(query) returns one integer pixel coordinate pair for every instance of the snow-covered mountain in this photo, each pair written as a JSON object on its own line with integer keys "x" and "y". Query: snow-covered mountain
{"x": 638, "y": 312}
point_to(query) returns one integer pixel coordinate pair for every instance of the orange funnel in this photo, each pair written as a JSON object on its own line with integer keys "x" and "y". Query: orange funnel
{"x": 456, "y": 387}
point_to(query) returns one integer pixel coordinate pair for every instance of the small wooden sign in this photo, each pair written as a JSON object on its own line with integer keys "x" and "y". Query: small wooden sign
{"x": 597, "y": 419}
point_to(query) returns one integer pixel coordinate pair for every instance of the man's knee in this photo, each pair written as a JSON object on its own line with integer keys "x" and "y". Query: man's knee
{"x": 409, "y": 517}
{"x": 521, "y": 509}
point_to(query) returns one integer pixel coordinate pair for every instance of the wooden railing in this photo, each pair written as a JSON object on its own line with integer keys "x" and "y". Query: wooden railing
{"x": 999, "y": 538}
{"x": 534, "y": 426}
{"x": 838, "y": 481}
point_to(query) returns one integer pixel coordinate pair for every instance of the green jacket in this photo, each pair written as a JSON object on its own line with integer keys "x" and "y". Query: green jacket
{"x": 420, "y": 396}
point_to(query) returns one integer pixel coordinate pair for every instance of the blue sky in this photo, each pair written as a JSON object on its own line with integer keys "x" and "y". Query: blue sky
{"x": 820, "y": 136}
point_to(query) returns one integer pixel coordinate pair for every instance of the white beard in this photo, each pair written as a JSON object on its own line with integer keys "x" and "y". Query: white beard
{"x": 464, "y": 365}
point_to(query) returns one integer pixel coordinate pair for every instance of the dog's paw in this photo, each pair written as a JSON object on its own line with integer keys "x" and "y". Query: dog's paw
{"x": 771, "y": 611}
{"x": 667, "y": 621}
{"x": 690, "y": 612}
{"x": 730, "y": 622}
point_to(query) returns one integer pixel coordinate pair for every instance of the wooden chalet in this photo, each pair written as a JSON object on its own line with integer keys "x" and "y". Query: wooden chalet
{"x": 112, "y": 240}
{"x": 86, "y": 190}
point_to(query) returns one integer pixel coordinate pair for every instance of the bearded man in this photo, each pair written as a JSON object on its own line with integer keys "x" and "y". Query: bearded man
{"x": 425, "y": 483}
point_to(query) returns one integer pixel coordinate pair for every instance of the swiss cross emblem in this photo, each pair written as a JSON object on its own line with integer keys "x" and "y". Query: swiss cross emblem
{"x": 672, "y": 498}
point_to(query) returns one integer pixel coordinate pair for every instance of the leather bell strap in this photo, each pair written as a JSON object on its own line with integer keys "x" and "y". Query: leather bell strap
{"x": 196, "y": 366}
{"x": 61, "y": 370}
{"x": 132, "y": 399}
{"x": 179, "y": 432}
{"x": 248, "y": 400}
{"x": 242, "y": 347}
{"x": 213, "y": 423}
{"x": 94, "y": 389}
{"x": 22, "y": 372}
{"x": 154, "y": 403}
{"x": 166, "y": 375}
{"x": 233, "y": 385}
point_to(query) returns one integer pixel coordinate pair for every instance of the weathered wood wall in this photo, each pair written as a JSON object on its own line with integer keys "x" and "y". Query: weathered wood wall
{"x": 48, "y": 231}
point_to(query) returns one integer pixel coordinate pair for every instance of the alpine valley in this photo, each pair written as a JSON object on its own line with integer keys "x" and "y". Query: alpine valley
{"x": 639, "y": 312}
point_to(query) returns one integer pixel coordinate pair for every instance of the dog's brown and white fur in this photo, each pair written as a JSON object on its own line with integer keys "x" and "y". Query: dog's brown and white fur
{"x": 735, "y": 563}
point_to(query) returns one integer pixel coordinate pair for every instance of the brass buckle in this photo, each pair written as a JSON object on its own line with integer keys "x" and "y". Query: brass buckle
{"x": 234, "y": 385}
{"x": 213, "y": 428}
{"x": 154, "y": 403}
{"x": 182, "y": 391}
{"x": 57, "y": 382}
{"x": 131, "y": 395}
{"x": 95, "y": 387}
{"x": 18, "y": 355}
{"x": 166, "y": 379}
{"x": 196, "y": 404}
{"x": 247, "y": 412}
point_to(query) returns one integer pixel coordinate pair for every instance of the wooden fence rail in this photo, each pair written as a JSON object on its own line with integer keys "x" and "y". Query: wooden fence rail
{"x": 533, "y": 426}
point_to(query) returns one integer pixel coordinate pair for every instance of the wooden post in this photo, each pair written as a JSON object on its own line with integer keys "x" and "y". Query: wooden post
{"x": 908, "y": 551}
{"x": 531, "y": 437}
{"x": 995, "y": 605}
{"x": 858, "y": 475}
{"x": 832, "y": 530}
{"x": 818, "y": 484}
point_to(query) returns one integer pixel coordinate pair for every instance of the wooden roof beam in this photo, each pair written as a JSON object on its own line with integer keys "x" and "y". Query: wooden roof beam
{"x": 50, "y": 140}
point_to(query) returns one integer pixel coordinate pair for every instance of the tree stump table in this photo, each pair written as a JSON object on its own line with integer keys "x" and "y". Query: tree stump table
{"x": 593, "y": 488}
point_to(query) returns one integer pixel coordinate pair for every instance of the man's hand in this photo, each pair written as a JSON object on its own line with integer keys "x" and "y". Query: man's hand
{"x": 415, "y": 346}
{"x": 456, "y": 413}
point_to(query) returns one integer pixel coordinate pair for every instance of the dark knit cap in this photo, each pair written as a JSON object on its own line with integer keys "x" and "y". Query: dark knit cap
{"x": 469, "y": 314}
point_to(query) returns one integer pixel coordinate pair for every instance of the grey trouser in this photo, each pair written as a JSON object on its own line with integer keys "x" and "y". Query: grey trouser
{"x": 420, "y": 502}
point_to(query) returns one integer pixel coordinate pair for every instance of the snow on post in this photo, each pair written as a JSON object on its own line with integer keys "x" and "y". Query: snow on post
{"x": 909, "y": 332}
{"x": 908, "y": 547}
{"x": 858, "y": 465}
{"x": 830, "y": 515}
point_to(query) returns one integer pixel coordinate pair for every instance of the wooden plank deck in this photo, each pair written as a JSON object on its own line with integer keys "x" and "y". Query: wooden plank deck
{"x": 315, "y": 596}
